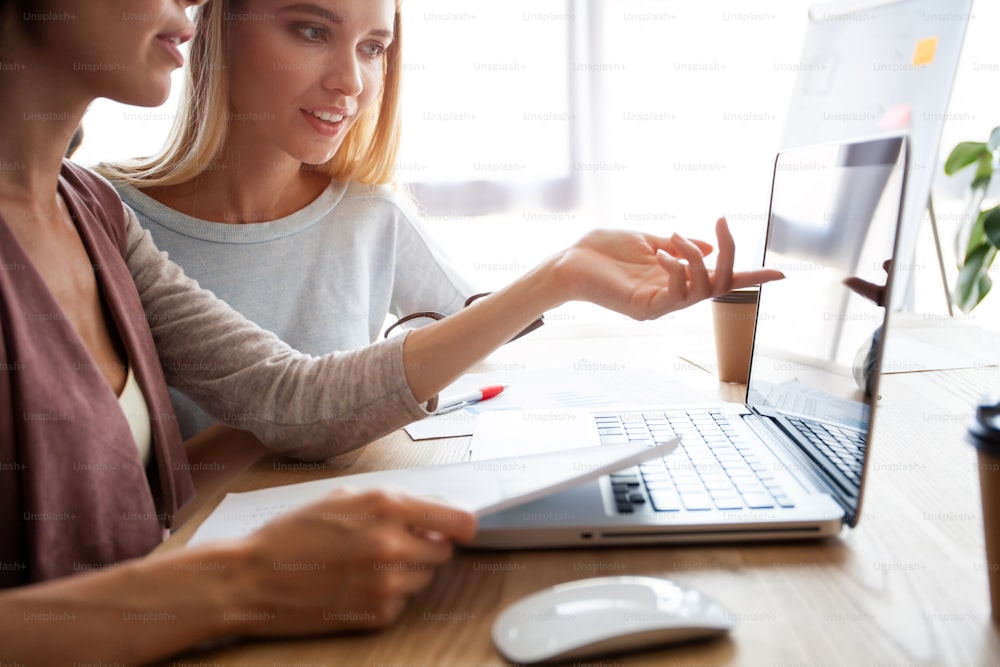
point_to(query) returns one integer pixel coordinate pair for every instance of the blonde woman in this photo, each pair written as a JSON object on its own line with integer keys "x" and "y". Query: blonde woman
{"x": 95, "y": 322}
{"x": 274, "y": 191}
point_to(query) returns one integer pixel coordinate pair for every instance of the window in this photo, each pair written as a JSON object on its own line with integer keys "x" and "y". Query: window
{"x": 488, "y": 105}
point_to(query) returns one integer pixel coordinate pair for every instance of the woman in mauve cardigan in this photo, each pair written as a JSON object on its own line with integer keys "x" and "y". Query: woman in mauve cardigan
{"x": 86, "y": 301}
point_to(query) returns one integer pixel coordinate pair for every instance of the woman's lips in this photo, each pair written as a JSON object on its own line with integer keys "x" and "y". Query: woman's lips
{"x": 326, "y": 123}
{"x": 171, "y": 42}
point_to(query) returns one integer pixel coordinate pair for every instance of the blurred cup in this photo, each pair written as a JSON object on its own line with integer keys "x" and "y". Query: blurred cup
{"x": 984, "y": 434}
{"x": 734, "y": 316}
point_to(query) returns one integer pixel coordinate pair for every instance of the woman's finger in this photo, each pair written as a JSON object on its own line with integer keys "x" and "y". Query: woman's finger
{"x": 425, "y": 515}
{"x": 743, "y": 279}
{"x": 723, "y": 277}
{"x": 699, "y": 284}
{"x": 675, "y": 293}
{"x": 670, "y": 247}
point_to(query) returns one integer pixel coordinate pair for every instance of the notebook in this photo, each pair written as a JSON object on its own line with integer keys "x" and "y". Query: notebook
{"x": 790, "y": 462}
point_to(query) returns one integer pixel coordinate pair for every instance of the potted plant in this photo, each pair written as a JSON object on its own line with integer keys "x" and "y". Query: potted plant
{"x": 978, "y": 235}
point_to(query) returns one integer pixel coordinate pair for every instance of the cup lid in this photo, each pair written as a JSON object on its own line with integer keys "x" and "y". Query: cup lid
{"x": 984, "y": 432}
{"x": 748, "y": 295}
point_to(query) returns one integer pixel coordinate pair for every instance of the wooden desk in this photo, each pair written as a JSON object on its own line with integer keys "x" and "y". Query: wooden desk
{"x": 908, "y": 586}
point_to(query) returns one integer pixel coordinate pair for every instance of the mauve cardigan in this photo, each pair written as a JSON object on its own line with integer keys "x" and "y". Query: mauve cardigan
{"x": 73, "y": 492}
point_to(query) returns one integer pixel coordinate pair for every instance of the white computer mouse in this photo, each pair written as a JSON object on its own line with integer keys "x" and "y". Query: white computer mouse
{"x": 601, "y": 615}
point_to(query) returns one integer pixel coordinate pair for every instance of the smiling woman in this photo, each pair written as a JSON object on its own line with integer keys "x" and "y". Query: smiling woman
{"x": 281, "y": 151}
{"x": 130, "y": 70}
{"x": 310, "y": 64}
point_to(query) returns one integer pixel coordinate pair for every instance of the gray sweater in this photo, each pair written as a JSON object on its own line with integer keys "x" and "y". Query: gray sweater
{"x": 322, "y": 279}
{"x": 304, "y": 406}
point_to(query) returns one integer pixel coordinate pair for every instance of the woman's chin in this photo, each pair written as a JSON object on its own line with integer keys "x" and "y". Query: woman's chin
{"x": 148, "y": 95}
{"x": 314, "y": 158}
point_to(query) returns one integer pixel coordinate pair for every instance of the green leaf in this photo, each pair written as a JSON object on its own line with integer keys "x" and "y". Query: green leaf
{"x": 964, "y": 154}
{"x": 994, "y": 142}
{"x": 977, "y": 238}
{"x": 985, "y": 284}
{"x": 991, "y": 225}
{"x": 984, "y": 171}
{"x": 983, "y": 239}
{"x": 974, "y": 282}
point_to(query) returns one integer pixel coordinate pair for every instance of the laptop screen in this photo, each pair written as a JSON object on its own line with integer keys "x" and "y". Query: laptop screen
{"x": 832, "y": 231}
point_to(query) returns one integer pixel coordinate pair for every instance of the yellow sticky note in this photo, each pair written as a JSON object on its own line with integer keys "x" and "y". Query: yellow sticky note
{"x": 924, "y": 53}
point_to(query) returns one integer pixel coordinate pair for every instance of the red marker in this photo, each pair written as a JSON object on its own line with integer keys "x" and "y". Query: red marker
{"x": 461, "y": 400}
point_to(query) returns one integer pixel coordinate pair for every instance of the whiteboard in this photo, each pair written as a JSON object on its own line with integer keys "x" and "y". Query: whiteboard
{"x": 868, "y": 67}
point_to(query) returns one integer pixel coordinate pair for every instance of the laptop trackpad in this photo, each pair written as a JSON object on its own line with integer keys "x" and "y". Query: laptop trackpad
{"x": 502, "y": 433}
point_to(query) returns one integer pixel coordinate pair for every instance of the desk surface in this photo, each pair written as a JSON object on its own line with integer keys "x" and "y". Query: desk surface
{"x": 908, "y": 586}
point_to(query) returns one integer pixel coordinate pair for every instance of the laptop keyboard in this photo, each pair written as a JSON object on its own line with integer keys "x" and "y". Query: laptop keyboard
{"x": 710, "y": 469}
{"x": 842, "y": 447}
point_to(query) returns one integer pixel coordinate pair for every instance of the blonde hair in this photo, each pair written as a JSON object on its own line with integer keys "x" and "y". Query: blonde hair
{"x": 367, "y": 155}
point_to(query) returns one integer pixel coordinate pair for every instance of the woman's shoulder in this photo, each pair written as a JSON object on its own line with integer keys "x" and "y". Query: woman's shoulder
{"x": 96, "y": 194}
{"x": 385, "y": 199}
{"x": 89, "y": 184}
{"x": 373, "y": 191}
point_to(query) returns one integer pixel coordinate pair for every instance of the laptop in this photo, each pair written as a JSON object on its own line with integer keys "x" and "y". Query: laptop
{"x": 790, "y": 462}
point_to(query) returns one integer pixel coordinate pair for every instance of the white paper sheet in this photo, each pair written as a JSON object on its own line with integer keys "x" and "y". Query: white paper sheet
{"x": 481, "y": 487}
{"x": 589, "y": 385}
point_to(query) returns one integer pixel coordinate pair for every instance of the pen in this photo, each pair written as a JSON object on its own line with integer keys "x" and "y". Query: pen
{"x": 468, "y": 398}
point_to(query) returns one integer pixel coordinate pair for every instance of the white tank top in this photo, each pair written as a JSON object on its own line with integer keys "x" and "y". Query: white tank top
{"x": 133, "y": 404}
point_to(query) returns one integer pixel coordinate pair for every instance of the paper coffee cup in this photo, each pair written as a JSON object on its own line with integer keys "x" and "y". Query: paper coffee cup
{"x": 984, "y": 434}
{"x": 734, "y": 316}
